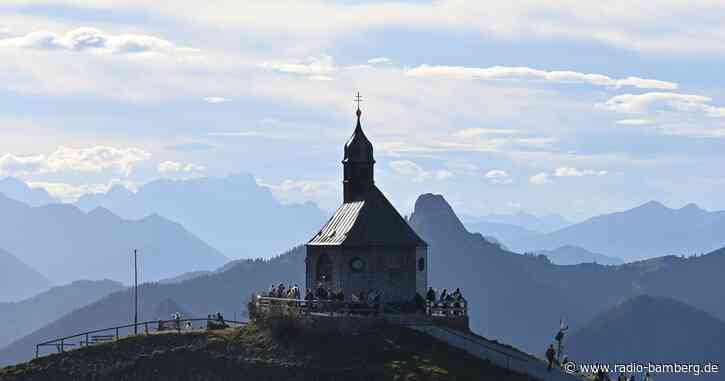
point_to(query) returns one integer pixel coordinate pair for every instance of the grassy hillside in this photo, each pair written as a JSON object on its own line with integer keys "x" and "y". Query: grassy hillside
{"x": 225, "y": 292}
{"x": 250, "y": 353}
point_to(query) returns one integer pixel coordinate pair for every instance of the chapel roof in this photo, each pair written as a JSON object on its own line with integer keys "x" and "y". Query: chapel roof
{"x": 369, "y": 220}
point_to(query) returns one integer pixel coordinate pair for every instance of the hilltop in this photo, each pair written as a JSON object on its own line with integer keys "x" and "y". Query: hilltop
{"x": 651, "y": 329}
{"x": 251, "y": 353}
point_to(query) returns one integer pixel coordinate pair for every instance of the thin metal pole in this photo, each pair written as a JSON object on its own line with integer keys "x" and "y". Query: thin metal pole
{"x": 135, "y": 292}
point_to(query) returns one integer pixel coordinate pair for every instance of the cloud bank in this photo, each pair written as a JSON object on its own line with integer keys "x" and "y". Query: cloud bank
{"x": 512, "y": 73}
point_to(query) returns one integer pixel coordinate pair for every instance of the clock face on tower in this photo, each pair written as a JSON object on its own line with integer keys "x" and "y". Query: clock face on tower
{"x": 357, "y": 265}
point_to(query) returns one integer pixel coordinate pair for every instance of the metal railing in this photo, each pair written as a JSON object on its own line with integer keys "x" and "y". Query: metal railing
{"x": 448, "y": 309}
{"x": 329, "y": 307}
{"x": 93, "y": 337}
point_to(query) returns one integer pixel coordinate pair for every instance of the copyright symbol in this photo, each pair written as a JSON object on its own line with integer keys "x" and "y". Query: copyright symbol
{"x": 569, "y": 367}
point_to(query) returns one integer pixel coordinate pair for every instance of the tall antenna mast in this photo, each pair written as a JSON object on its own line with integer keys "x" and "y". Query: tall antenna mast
{"x": 135, "y": 293}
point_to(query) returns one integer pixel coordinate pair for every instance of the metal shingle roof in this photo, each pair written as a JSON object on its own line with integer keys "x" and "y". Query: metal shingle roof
{"x": 371, "y": 220}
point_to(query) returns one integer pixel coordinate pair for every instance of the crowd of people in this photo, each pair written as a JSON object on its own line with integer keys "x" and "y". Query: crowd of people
{"x": 362, "y": 300}
{"x": 441, "y": 302}
{"x": 446, "y": 301}
{"x": 216, "y": 321}
{"x": 284, "y": 292}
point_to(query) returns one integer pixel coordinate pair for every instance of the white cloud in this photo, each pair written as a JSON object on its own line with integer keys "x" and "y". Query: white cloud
{"x": 379, "y": 60}
{"x": 471, "y": 132}
{"x": 416, "y": 173}
{"x": 540, "y": 178}
{"x": 72, "y": 192}
{"x": 659, "y": 101}
{"x": 498, "y": 176}
{"x": 642, "y": 26}
{"x": 68, "y": 192}
{"x": 93, "y": 159}
{"x": 573, "y": 172}
{"x": 298, "y": 191}
{"x": 96, "y": 41}
{"x": 529, "y": 74}
{"x": 215, "y": 100}
{"x": 635, "y": 122}
{"x": 316, "y": 68}
{"x": 175, "y": 166}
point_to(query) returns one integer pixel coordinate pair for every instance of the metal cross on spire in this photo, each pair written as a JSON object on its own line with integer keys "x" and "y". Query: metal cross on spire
{"x": 358, "y": 99}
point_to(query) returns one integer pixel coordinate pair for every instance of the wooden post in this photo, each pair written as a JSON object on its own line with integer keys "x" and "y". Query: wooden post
{"x": 37, "y": 350}
{"x": 116, "y": 333}
{"x": 146, "y": 327}
{"x": 86, "y": 339}
{"x": 62, "y": 345}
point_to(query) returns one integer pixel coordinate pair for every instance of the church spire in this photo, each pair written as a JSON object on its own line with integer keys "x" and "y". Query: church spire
{"x": 358, "y": 161}
{"x": 358, "y": 99}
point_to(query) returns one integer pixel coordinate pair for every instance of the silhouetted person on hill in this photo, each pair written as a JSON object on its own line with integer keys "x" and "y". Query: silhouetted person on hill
{"x": 551, "y": 356}
{"x": 419, "y": 302}
{"x": 321, "y": 293}
{"x": 431, "y": 296}
{"x": 647, "y": 377}
{"x": 442, "y": 299}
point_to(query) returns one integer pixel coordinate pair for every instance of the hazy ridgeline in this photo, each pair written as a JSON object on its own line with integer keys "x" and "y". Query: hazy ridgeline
{"x": 518, "y": 299}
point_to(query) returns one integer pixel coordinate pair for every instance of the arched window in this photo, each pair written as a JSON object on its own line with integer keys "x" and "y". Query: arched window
{"x": 421, "y": 264}
{"x": 324, "y": 268}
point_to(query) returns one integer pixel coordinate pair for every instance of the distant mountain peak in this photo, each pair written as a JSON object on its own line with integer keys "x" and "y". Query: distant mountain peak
{"x": 100, "y": 211}
{"x": 17, "y": 189}
{"x": 692, "y": 207}
{"x": 430, "y": 203}
{"x": 652, "y": 204}
{"x": 119, "y": 189}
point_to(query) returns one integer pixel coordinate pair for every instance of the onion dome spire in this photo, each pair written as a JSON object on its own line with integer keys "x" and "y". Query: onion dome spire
{"x": 358, "y": 148}
{"x": 358, "y": 162}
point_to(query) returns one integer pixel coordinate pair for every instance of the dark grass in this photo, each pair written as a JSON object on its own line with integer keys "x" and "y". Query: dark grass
{"x": 251, "y": 353}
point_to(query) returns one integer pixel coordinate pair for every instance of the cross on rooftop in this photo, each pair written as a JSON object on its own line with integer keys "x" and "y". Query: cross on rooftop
{"x": 358, "y": 99}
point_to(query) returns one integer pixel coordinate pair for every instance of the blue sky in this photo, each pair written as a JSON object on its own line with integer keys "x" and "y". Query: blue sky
{"x": 572, "y": 107}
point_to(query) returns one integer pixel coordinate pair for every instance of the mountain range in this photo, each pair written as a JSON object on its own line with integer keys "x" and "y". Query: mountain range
{"x": 647, "y": 329}
{"x": 232, "y": 214}
{"x": 18, "y": 190}
{"x": 646, "y": 231}
{"x": 517, "y": 299}
{"x": 23, "y": 317}
{"x": 18, "y": 280}
{"x": 65, "y": 244}
{"x": 528, "y": 222}
{"x": 521, "y": 298}
{"x": 573, "y": 255}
